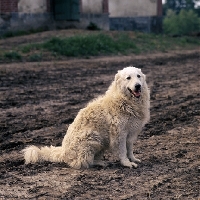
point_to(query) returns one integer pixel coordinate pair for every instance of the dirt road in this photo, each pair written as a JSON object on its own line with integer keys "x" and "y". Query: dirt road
{"x": 39, "y": 100}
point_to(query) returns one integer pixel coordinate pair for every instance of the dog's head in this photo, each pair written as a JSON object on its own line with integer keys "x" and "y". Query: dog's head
{"x": 131, "y": 82}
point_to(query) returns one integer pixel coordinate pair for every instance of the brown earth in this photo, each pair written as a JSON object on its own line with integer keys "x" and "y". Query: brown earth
{"x": 38, "y": 101}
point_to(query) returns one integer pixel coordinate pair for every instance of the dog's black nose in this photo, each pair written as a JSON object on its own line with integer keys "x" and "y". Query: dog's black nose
{"x": 137, "y": 86}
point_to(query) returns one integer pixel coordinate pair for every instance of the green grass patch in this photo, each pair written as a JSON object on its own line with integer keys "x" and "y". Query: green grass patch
{"x": 90, "y": 45}
{"x": 36, "y": 57}
{"x": 23, "y": 32}
{"x": 12, "y": 55}
{"x": 162, "y": 43}
{"x": 30, "y": 47}
{"x": 100, "y": 43}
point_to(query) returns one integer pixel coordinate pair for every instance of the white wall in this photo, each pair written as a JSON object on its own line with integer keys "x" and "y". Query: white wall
{"x": 132, "y": 8}
{"x": 32, "y": 6}
{"x": 92, "y": 6}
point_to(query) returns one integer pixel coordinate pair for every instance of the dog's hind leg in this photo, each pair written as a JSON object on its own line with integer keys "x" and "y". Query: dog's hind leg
{"x": 83, "y": 159}
{"x": 98, "y": 159}
{"x": 87, "y": 152}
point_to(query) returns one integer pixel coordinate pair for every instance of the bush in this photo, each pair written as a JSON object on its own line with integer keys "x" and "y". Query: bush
{"x": 12, "y": 55}
{"x": 184, "y": 23}
{"x": 93, "y": 27}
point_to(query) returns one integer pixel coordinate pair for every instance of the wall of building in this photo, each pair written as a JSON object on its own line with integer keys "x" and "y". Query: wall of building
{"x": 140, "y": 15}
{"x": 32, "y": 14}
{"x": 143, "y": 24}
{"x": 132, "y": 8}
{"x": 28, "y": 6}
{"x": 8, "y": 6}
{"x": 143, "y": 15}
{"x": 95, "y": 11}
{"x": 92, "y": 6}
{"x": 16, "y": 15}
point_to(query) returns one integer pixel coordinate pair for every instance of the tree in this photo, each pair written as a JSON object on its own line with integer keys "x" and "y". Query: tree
{"x": 184, "y": 23}
{"x": 178, "y": 5}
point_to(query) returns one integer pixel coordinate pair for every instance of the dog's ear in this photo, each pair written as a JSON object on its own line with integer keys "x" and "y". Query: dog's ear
{"x": 143, "y": 74}
{"x": 144, "y": 77}
{"x": 117, "y": 76}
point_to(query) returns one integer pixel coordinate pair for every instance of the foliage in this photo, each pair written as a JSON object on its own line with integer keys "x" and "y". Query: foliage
{"x": 93, "y": 27}
{"x": 197, "y": 10}
{"x": 12, "y": 55}
{"x": 184, "y": 23}
{"x": 178, "y": 5}
{"x": 89, "y": 45}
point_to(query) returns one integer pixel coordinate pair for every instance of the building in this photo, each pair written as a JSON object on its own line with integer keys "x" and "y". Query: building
{"x": 141, "y": 15}
{"x": 32, "y": 14}
{"x": 106, "y": 14}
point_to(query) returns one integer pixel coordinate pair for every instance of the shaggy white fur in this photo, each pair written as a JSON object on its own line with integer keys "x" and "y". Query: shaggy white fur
{"x": 112, "y": 120}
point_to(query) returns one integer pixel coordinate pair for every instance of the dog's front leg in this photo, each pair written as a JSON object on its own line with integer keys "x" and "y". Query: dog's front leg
{"x": 123, "y": 152}
{"x": 130, "y": 140}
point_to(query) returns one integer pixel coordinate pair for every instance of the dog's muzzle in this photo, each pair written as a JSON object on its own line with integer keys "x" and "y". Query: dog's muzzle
{"x": 137, "y": 90}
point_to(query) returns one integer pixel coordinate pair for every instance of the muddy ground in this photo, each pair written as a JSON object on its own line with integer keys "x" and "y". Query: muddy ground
{"x": 39, "y": 100}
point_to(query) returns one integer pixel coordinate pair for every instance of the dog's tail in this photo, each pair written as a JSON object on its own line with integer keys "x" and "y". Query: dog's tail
{"x": 33, "y": 154}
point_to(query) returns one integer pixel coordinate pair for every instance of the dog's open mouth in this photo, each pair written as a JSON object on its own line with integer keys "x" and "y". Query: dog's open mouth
{"x": 136, "y": 92}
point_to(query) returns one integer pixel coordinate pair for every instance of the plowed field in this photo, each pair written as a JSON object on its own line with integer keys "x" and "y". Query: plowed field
{"x": 39, "y": 100}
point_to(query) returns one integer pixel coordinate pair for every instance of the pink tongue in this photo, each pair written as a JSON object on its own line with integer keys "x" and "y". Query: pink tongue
{"x": 137, "y": 94}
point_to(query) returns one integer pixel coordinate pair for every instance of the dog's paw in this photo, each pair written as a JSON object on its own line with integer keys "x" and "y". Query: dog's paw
{"x": 99, "y": 163}
{"x": 133, "y": 159}
{"x": 127, "y": 163}
{"x": 138, "y": 160}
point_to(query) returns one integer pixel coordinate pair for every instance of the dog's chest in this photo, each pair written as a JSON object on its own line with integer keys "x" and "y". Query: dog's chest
{"x": 133, "y": 124}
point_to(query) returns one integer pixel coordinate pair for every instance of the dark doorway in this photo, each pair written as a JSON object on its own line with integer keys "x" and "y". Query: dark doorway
{"x": 66, "y": 10}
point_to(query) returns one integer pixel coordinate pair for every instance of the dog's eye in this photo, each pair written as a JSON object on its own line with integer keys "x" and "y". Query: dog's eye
{"x": 128, "y": 78}
{"x": 138, "y": 76}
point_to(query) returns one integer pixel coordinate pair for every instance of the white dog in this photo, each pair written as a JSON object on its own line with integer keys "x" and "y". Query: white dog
{"x": 114, "y": 119}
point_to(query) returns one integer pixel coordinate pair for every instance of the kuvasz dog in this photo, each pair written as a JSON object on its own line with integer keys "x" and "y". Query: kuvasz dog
{"x": 113, "y": 119}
